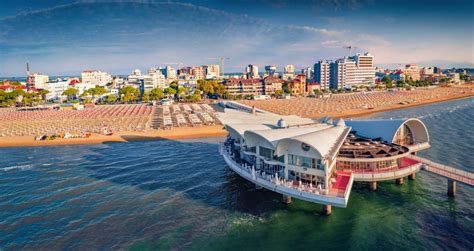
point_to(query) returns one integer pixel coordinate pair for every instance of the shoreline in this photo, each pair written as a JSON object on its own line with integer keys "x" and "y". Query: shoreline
{"x": 192, "y": 132}
{"x": 125, "y": 136}
{"x": 364, "y": 113}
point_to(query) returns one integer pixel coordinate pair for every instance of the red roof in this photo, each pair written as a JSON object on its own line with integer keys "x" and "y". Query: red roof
{"x": 5, "y": 87}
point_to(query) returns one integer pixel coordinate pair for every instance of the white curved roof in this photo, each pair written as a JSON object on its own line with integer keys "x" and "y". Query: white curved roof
{"x": 386, "y": 128}
{"x": 326, "y": 141}
{"x": 272, "y": 136}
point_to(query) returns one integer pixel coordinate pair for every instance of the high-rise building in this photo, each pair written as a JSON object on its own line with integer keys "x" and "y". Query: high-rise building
{"x": 251, "y": 71}
{"x": 198, "y": 72}
{"x": 365, "y": 70}
{"x": 270, "y": 70}
{"x": 322, "y": 74}
{"x": 170, "y": 73}
{"x": 342, "y": 73}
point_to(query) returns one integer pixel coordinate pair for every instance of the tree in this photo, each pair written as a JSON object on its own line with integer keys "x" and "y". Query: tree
{"x": 70, "y": 93}
{"x": 146, "y": 97}
{"x": 169, "y": 91}
{"x": 181, "y": 90}
{"x": 111, "y": 98}
{"x": 386, "y": 80}
{"x": 279, "y": 92}
{"x": 43, "y": 93}
{"x": 128, "y": 94}
{"x": 156, "y": 94}
{"x": 193, "y": 97}
{"x": 317, "y": 91}
{"x": 206, "y": 87}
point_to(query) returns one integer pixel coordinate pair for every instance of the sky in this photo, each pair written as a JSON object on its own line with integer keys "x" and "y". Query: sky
{"x": 61, "y": 37}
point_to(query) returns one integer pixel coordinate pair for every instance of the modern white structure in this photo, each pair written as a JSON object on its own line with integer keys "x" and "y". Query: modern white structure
{"x": 95, "y": 77}
{"x": 365, "y": 69}
{"x": 318, "y": 160}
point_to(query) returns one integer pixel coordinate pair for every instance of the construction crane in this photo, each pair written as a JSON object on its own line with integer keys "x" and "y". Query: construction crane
{"x": 222, "y": 60}
{"x": 350, "y": 47}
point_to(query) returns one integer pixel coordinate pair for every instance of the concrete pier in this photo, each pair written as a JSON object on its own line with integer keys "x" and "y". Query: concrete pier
{"x": 286, "y": 199}
{"x": 411, "y": 176}
{"x": 373, "y": 185}
{"x": 327, "y": 209}
{"x": 399, "y": 181}
{"x": 451, "y": 187}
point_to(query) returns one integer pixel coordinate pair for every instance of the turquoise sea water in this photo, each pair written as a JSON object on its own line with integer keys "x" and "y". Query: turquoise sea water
{"x": 178, "y": 195}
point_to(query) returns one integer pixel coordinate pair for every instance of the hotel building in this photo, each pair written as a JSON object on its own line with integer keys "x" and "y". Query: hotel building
{"x": 94, "y": 77}
{"x": 318, "y": 160}
{"x": 412, "y": 72}
{"x": 36, "y": 81}
{"x": 322, "y": 73}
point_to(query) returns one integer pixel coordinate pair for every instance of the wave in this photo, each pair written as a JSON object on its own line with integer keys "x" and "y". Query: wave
{"x": 20, "y": 167}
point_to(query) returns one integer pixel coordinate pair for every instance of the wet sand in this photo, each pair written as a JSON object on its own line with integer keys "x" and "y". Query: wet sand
{"x": 175, "y": 133}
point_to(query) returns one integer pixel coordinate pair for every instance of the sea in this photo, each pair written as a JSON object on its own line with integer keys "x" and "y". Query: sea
{"x": 180, "y": 195}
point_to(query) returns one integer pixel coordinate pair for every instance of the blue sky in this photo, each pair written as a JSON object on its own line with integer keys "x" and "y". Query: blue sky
{"x": 65, "y": 37}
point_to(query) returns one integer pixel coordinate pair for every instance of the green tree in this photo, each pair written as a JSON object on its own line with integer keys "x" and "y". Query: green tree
{"x": 181, "y": 91}
{"x": 279, "y": 92}
{"x": 111, "y": 98}
{"x": 128, "y": 94}
{"x": 42, "y": 93}
{"x": 71, "y": 93}
{"x": 156, "y": 94}
{"x": 169, "y": 91}
{"x": 146, "y": 97}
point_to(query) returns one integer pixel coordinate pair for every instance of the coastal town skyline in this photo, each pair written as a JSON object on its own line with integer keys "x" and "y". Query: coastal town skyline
{"x": 117, "y": 36}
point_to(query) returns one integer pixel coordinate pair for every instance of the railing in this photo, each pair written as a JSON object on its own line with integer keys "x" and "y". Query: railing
{"x": 386, "y": 175}
{"x": 464, "y": 176}
{"x": 282, "y": 186}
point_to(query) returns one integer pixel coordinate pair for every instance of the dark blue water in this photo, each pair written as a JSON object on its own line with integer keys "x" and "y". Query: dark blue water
{"x": 180, "y": 195}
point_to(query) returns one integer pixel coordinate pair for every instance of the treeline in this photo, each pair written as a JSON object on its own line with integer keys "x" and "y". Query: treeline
{"x": 19, "y": 97}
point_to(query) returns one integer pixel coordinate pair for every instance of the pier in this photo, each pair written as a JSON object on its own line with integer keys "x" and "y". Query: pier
{"x": 452, "y": 174}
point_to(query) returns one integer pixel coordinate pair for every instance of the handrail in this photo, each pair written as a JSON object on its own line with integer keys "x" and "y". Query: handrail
{"x": 443, "y": 167}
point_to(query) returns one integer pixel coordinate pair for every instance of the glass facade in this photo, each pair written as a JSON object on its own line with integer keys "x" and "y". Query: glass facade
{"x": 368, "y": 166}
{"x": 305, "y": 162}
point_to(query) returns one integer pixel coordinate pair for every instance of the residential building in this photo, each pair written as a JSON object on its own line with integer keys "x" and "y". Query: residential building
{"x": 270, "y": 70}
{"x": 412, "y": 72}
{"x": 312, "y": 86}
{"x": 96, "y": 77}
{"x": 36, "y": 81}
{"x": 251, "y": 71}
{"x": 342, "y": 74}
{"x": 212, "y": 71}
{"x": 365, "y": 69}
{"x": 272, "y": 84}
{"x": 252, "y": 86}
{"x": 198, "y": 72}
{"x": 288, "y": 72}
{"x": 322, "y": 74}
{"x": 397, "y": 75}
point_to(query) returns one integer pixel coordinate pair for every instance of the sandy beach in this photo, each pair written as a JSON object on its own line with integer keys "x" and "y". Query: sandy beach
{"x": 125, "y": 136}
{"x": 357, "y": 104}
{"x": 337, "y": 106}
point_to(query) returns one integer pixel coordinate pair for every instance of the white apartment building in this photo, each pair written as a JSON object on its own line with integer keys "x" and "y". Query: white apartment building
{"x": 37, "y": 81}
{"x": 212, "y": 71}
{"x": 412, "y": 72}
{"x": 365, "y": 69}
{"x": 251, "y": 71}
{"x": 343, "y": 73}
{"x": 288, "y": 72}
{"x": 322, "y": 74}
{"x": 95, "y": 77}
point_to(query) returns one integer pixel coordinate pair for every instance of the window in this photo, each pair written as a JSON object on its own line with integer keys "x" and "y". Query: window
{"x": 266, "y": 152}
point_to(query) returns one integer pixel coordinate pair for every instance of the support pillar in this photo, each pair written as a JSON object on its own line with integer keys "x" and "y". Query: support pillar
{"x": 286, "y": 199}
{"x": 451, "y": 187}
{"x": 327, "y": 209}
{"x": 373, "y": 185}
{"x": 399, "y": 181}
{"x": 411, "y": 176}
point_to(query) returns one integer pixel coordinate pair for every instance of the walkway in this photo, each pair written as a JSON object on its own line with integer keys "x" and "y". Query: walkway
{"x": 446, "y": 171}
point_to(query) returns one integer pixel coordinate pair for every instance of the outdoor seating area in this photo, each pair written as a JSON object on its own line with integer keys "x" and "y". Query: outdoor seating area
{"x": 133, "y": 117}
{"x": 183, "y": 115}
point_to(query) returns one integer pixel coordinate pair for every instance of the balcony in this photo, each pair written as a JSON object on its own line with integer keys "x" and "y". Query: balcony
{"x": 407, "y": 166}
